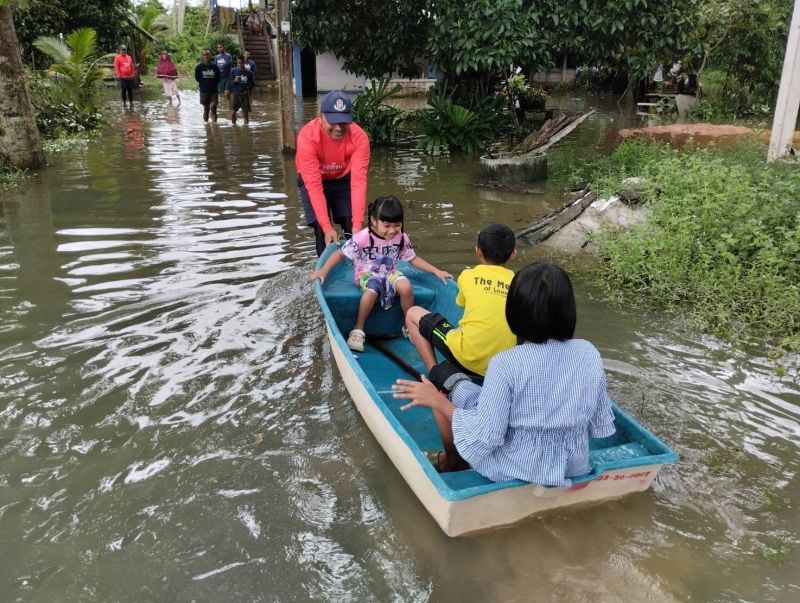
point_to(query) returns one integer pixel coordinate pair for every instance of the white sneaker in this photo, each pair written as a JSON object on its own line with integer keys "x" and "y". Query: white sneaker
{"x": 356, "y": 340}
{"x": 404, "y": 331}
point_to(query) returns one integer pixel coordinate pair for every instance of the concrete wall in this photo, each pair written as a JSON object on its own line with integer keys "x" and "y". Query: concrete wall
{"x": 554, "y": 77}
{"x": 331, "y": 76}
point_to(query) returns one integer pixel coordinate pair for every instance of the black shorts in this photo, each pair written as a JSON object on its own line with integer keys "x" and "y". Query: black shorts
{"x": 207, "y": 98}
{"x": 337, "y": 194}
{"x": 434, "y": 327}
{"x": 241, "y": 101}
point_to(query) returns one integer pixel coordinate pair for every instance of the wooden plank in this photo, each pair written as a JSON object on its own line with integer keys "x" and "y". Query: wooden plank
{"x": 551, "y": 132}
{"x": 556, "y": 220}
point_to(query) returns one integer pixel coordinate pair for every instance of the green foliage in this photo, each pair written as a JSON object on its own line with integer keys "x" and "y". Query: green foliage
{"x": 722, "y": 243}
{"x": 11, "y": 177}
{"x": 453, "y": 124}
{"x": 373, "y": 38}
{"x": 480, "y": 40}
{"x": 186, "y": 48}
{"x": 47, "y": 18}
{"x": 742, "y": 43}
{"x": 631, "y": 36}
{"x": 56, "y": 115}
{"x": 491, "y": 35}
{"x": 76, "y": 67}
{"x": 516, "y": 85}
{"x": 381, "y": 121}
{"x": 231, "y": 43}
{"x": 152, "y": 17}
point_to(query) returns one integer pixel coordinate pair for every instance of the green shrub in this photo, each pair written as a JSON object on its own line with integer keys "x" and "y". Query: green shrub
{"x": 231, "y": 44}
{"x": 722, "y": 243}
{"x": 56, "y": 114}
{"x": 467, "y": 124}
{"x": 381, "y": 121}
{"x": 11, "y": 177}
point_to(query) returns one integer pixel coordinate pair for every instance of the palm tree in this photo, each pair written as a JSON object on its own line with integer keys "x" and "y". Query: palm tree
{"x": 20, "y": 144}
{"x": 150, "y": 19}
{"x": 76, "y": 67}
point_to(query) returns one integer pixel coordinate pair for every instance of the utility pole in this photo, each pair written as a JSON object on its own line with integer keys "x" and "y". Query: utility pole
{"x": 288, "y": 134}
{"x": 786, "y": 108}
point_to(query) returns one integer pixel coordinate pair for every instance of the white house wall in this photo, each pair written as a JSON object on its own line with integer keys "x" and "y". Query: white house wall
{"x": 331, "y": 76}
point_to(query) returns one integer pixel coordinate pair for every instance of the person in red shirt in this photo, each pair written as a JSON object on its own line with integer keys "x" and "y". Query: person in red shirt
{"x": 125, "y": 70}
{"x": 332, "y": 160}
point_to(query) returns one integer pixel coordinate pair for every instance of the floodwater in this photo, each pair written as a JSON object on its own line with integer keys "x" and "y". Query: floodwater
{"x": 172, "y": 427}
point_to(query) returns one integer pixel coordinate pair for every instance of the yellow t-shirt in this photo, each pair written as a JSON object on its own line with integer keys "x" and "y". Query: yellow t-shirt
{"x": 483, "y": 331}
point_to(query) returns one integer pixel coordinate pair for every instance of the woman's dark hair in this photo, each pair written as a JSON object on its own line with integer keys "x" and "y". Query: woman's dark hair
{"x": 541, "y": 304}
{"x": 388, "y": 209}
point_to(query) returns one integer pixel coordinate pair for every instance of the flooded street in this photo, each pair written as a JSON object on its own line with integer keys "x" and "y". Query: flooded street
{"x": 173, "y": 428}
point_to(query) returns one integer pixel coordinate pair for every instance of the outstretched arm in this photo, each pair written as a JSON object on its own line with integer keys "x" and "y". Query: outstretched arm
{"x": 418, "y": 262}
{"x": 336, "y": 257}
{"x": 423, "y": 394}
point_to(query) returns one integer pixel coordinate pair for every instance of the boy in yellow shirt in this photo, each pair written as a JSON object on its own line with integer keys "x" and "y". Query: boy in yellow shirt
{"x": 482, "y": 290}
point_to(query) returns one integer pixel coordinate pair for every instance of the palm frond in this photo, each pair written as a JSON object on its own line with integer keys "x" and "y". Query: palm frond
{"x": 53, "y": 47}
{"x": 82, "y": 42}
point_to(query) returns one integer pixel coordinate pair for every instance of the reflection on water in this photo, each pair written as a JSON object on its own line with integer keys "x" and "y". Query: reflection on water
{"x": 171, "y": 427}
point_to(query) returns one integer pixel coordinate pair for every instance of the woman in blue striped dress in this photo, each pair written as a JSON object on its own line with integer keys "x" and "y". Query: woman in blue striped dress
{"x": 541, "y": 401}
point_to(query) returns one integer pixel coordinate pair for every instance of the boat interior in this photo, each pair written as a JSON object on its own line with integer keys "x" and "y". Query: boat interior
{"x": 630, "y": 446}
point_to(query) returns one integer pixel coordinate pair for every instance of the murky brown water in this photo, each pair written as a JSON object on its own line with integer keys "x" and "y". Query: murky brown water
{"x": 172, "y": 428}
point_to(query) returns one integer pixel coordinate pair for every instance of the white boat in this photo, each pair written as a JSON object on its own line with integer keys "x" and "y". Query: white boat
{"x": 461, "y": 502}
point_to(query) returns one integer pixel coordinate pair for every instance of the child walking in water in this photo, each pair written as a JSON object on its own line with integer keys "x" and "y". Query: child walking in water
{"x": 375, "y": 251}
{"x": 541, "y": 400}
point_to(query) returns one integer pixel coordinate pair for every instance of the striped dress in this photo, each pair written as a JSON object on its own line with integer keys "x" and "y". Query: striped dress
{"x": 534, "y": 415}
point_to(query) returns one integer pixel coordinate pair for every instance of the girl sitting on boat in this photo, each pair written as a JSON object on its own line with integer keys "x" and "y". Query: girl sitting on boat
{"x": 541, "y": 401}
{"x": 375, "y": 251}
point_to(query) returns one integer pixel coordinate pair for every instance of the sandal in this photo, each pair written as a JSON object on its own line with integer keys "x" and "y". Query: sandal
{"x": 433, "y": 456}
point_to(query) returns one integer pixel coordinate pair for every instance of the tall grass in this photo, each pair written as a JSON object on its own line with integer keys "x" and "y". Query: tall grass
{"x": 722, "y": 243}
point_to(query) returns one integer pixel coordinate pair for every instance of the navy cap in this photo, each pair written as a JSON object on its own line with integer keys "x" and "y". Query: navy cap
{"x": 337, "y": 108}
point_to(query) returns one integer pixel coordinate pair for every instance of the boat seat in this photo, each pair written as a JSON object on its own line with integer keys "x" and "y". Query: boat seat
{"x": 343, "y": 297}
{"x": 606, "y": 456}
{"x": 598, "y": 460}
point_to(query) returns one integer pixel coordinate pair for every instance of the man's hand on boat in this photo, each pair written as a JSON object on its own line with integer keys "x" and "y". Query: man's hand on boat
{"x": 422, "y": 393}
{"x": 331, "y": 236}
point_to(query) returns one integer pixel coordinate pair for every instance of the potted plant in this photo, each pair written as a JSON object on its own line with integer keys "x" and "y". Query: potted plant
{"x": 533, "y": 99}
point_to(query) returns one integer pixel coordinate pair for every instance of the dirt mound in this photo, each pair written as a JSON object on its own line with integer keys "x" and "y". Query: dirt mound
{"x": 700, "y": 135}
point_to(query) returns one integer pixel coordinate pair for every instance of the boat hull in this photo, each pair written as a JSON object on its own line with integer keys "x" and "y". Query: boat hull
{"x": 493, "y": 509}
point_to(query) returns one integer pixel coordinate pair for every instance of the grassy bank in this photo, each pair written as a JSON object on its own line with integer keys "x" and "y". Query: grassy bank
{"x": 722, "y": 245}
{"x": 11, "y": 177}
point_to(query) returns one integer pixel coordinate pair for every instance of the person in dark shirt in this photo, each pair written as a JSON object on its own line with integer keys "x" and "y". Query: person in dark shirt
{"x": 208, "y": 78}
{"x": 239, "y": 84}
{"x": 225, "y": 62}
{"x": 250, "y": 65}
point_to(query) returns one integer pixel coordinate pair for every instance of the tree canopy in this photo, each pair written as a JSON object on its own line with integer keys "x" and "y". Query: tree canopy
{"x": 489, "y": 36}
{"x": 373, "y": 38}
{"x": 45, "y": 18}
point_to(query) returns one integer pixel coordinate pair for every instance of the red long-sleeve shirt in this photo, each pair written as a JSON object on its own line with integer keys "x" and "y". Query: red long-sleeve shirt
{"x": 123, "y": 65}
{"x": 319, "y": 158}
